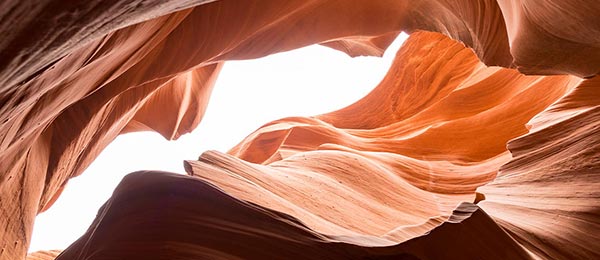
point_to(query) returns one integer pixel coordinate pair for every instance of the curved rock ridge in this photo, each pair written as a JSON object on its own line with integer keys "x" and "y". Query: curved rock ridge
{"x": 74, "y": 75}
{"x": 43, "y": 255}
{"x": 343, "y": 200}
{"x": 396, "y": 163}
{"x": 170, "y": 216}
{"x": 553, "y": 36}
{"x": 547, "y": 196}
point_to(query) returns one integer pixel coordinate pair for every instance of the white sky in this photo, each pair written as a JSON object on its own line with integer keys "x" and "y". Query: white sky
{"x": 303, "y": 82}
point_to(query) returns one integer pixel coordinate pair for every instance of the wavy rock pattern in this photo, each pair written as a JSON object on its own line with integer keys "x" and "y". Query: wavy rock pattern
{"x": 385, "y": 165}
{"x": 548, "y": 193}
{"x": 204, "y": 222}
{"x": 423, "y": 147}
{"x": 43, "y": 255}
{"x": 76, "y": 74}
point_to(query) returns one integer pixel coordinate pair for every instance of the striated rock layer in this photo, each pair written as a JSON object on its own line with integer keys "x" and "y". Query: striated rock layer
{"x": 548, "y": 193}
{"x": 43, "y": 255}
{"x": 380, "y": 178}
{"x": 349, "y": 189}
{"x": 390, "y": 181}
{"x": 170, "y": 216}
{"x": 390, "y": 160}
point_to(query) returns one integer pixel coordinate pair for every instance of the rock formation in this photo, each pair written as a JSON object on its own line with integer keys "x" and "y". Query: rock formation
{"x": 456, "y": 121}
{"x": 43, "y": 255}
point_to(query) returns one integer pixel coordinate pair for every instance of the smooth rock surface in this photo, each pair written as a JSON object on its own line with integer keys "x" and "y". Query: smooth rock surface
{"x": 75, "y": 74}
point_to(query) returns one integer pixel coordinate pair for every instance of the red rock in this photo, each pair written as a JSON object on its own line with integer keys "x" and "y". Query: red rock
{"x": 163, "y": 215}
{"x": 546, "y": 197}
{"x": 74, "y": 75}
{"x": 43, "y": 255}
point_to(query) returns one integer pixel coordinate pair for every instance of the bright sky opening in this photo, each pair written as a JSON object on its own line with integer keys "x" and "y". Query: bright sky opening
{"x": 303, "y": 82}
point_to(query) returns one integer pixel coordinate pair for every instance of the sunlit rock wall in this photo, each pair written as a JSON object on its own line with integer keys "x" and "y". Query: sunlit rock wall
{"x": 381, "y": 172}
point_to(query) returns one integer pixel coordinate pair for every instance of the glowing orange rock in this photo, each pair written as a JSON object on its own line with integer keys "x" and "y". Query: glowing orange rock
{"x": 355, "y": 191}
{"x": 75, "y": 75}
{"x": 43, "y": 255}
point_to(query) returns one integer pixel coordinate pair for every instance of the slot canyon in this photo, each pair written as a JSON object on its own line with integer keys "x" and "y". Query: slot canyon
{"x": 482, "y": 141}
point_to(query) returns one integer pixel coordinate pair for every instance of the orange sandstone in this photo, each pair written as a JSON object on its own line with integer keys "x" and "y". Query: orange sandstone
{"x": 74, "y": 75}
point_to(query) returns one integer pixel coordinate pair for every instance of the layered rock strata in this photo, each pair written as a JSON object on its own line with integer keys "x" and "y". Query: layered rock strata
{"x": 74, "y": 75}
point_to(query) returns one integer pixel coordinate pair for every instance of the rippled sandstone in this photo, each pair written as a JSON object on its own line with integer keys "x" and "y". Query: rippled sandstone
{"x": 368, "y": 180}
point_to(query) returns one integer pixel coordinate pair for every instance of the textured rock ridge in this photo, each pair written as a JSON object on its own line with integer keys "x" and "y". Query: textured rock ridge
{"x": 43, "y": 255}
{"x": 75, "y": 74}
{"x": 547, "y": 195}
{"x": 204, "y": 222}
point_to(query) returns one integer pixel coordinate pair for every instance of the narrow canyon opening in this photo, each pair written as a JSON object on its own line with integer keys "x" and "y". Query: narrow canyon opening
{"x": 304, "y": 82}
